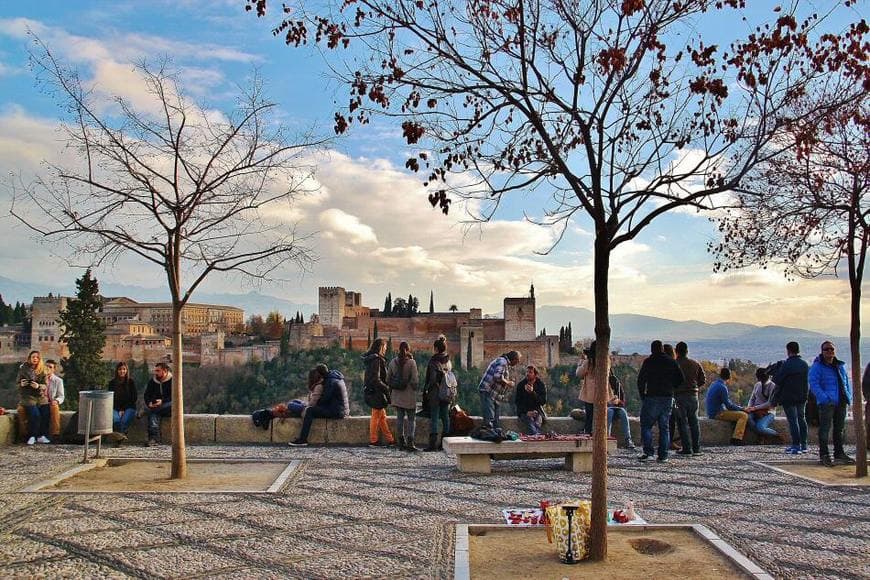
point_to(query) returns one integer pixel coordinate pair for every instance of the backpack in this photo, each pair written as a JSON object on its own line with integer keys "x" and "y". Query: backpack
{"x": 295, "y": 408}
{"x": 487, "y": 433}
{"x": 448, "y": 387}
{"x": 460, "y": 422}
{"x": 395, "y": 381}
{"x": 262, "y": 418}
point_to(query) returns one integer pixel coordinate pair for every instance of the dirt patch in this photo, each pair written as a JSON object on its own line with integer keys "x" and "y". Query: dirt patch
{"x": 530, "y": 556}
{"x": 837, "y": 475}
{"x": 132, "y": 475}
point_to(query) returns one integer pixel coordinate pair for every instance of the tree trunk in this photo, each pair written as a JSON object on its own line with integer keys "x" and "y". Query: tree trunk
{"x": 179, "y": 453}
{"x": 598, "y": 533}
{"x": 856, "y": 275}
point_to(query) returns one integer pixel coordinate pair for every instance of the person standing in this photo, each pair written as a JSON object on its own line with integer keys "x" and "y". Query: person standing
{"x": 659, "y": 375}
{"x": 158, "y": 400}
{"x": 331, "y": 402}
{"x": 377, "y": 392}
{"x": 792, "y": 384}
{"x": 829, "y": 383}
{"x": 496, "y": 386}
{"x": 403, "y": 378}
{"x": 439, "y": 411}
{"x": 56, "y": 396}
{"x": 530, "y": 398}
{"x": 586, "y": 373}
{"x": 33, "y": 396}
{"x": 124, "y": 402}
{"x": 686, "y": 396}
{"x": 720, "y": 407}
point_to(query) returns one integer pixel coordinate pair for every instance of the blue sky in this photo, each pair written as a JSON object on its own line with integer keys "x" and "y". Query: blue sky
{"x": 373, "y": 229}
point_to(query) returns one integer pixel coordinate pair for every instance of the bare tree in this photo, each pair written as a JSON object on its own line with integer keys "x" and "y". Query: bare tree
{"x": 807, "y": 211}
{"x": 612, "y": 109}
{"x": 189, "y": 190}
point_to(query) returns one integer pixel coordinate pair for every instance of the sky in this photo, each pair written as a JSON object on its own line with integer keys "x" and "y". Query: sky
{"x": 371, "y": 226}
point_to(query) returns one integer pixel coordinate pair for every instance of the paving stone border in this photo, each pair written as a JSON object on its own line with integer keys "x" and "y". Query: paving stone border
{"x": 774, "y": 465}
{"x": 462, "y": 560}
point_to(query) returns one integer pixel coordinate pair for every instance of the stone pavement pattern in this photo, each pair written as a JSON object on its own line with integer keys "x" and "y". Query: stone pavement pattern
{"x": 356, "y": 512}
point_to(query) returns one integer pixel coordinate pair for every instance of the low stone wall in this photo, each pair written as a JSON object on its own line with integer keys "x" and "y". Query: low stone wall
{"x": 239, "y": 429}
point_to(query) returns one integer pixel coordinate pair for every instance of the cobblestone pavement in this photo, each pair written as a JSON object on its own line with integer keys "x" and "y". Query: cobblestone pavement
{"x": 355, "y": 512}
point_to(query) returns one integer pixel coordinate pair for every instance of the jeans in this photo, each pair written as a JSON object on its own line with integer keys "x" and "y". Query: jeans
{"x": 154, "y": 415}
{"x": 406, "y": 425}
{"x": 489, "y": 408}
{"x": 37, "y": 419}
{"x": 687, "y": 421}
{"x": 439, "y": 412}
{"x": 797, "y": 423}
{"x": 622, "y": 415}
{"x": 312, "y": 413}
{"x": 530, "y": 424}
{"x": 835, "y": 414}
{"x": 587, "y": 422}
{"x": 121, "y": 421}
{"x": 656, "y": 411}
{"x": 762, "y": 426}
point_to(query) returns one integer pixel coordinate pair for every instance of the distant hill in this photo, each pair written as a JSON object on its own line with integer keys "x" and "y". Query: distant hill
{"x": 633, "y": 333}
{"x": 251, "y": 303}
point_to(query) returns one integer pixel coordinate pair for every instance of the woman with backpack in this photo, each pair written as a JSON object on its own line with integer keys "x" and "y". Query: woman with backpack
{"x": 402, "y": 378}
{"x": 439, "y": 408}
{"x": 376, "y": 392}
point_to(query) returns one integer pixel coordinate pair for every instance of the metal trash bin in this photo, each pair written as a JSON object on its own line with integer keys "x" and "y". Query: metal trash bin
{"x": 95, "y": 412}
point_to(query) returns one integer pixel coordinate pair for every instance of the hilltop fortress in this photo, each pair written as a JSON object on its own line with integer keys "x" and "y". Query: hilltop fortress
{"x": 342, "y": 319}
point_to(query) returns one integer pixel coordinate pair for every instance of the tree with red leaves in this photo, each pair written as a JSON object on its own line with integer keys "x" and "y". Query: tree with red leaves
{"x": 809, "y": 209}
{"x": 615, "y": 110}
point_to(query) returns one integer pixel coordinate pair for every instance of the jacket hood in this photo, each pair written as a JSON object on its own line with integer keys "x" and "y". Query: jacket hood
{"x": 368, "y": 357}
{"x": 335, "y": 374}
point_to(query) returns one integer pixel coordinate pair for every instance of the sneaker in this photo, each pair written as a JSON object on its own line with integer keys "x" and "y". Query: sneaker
{"x": 736, "y": 442}
{"x": 375, "y": 444}
{"x": 843, "y": 460}
{"x": 43, "y": 439}
{"x": 298, "y": 443}
{"x": 661, "y": 460}
{"x": 31, "y": 441}
{"x": 630, "y": 445}
{"x": 803, "y": 450}
{"x": 826, "y": 461}
{"x": 686, "y": 453}
{"x": 697, "y": 453}
{"x": 151, "y": 443}
{"x": 644, "y": 457}
{"x": 792, "y": 450}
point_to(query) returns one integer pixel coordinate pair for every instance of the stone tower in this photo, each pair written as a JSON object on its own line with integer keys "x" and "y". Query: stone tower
{"x": 45, "y": 331}
{"x": 331, "y": 305}
{"x": 519, "y": 319}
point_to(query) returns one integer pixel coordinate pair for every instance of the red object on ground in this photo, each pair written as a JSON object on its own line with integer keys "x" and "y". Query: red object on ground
{"x": 2, "y": 411}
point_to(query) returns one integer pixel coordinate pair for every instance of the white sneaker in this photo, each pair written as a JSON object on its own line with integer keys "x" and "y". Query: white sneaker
{"x": 43, "y": 439}
{"x": 31, "y": 441}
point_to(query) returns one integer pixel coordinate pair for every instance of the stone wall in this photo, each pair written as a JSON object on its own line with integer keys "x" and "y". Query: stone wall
{"x": 239, "y": 429}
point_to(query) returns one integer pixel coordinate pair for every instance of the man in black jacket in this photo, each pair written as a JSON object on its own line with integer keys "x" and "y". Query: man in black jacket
{"x": 158, "y": 400}
{"x": 792, "y": 392}
{"x": 530, "y": 398}
{"x": 659, "y": 375}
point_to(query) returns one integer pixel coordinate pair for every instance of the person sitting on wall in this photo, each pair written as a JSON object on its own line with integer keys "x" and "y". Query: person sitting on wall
{"x": 56, "y": 396}
{"x": 616, "y": 410}
{"x": 332, "y": 403}
{"x": 158, "y": 400}
{"x": 124, "y": 401}
{"x": 33, "y": 397}
{"x": 720, "y": 407}
{"x": 762, "y": 407}
{"x": 530, "y": 398}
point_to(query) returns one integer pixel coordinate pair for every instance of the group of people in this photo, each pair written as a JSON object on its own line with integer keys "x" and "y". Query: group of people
{"x": 670, "y": 383}
{"x": 41, "y": 392}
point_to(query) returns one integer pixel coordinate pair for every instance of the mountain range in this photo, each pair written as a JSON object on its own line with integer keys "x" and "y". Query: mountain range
{"x": 725, "y": 340}
{"x": 631, "y": 332}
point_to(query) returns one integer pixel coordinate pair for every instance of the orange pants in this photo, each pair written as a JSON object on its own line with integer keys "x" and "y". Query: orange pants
{"x": 740, "y": 420}
{"x": 377, "y": 425}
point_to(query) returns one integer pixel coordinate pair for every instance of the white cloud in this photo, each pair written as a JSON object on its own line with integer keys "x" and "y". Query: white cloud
{"x": 346, "y": 228}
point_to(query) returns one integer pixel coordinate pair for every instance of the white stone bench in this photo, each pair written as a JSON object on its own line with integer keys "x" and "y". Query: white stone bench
{"x": 475, "y": 456}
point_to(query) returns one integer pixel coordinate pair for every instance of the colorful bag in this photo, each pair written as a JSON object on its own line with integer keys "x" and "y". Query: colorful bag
{"x": 573, "y": 546}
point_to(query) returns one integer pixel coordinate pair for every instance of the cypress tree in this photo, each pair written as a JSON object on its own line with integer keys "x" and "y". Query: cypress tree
{"x": 389, "y": 353}
{"x": 431, "y": 302}
{"x": 85, "y": 336}
{"x": 388, "y": 304}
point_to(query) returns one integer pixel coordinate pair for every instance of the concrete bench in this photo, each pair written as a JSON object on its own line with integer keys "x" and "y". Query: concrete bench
{"x": 475, "y": 456}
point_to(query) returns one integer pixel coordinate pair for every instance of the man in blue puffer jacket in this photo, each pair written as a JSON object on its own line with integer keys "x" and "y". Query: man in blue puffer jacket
{"x": 829, "y": 383}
